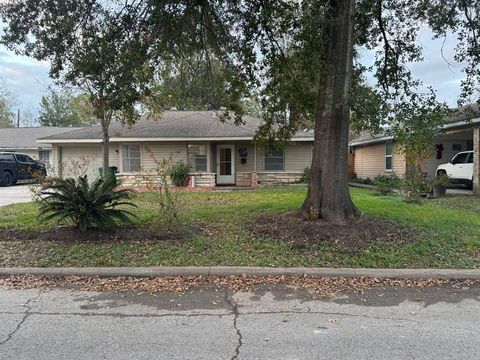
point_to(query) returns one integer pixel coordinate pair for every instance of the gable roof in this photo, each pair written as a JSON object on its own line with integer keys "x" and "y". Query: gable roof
{"x": 171, "y": 126}
{"x": 26, "y": 138}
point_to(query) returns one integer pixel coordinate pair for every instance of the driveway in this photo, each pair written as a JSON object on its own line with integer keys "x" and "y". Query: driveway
{"x": 272, "y": 322}
{"x": 15, "y": 194}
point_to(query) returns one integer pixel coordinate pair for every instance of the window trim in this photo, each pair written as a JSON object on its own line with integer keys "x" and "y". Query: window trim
{"x": 48, "y": 152}
{"x": 207, "y": 154}
{"x": 121, "y": 159}
{"x": 388, "y": 156}
{"x": 283, "y": 161}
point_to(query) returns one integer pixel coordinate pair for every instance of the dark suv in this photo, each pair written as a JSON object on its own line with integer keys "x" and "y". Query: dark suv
{"x": 16, "y": 166}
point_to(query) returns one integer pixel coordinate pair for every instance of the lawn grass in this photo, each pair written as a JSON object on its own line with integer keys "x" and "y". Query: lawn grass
{"x": 448, "y": 235}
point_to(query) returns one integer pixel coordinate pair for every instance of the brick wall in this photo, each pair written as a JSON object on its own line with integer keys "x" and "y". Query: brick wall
{"x": 153, "y": 180}
{"x": 476, "y": 160}
{"x": 278, "y": 178}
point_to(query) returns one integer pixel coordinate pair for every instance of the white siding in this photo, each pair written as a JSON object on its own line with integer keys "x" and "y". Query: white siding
{"x": 297, "y": 157}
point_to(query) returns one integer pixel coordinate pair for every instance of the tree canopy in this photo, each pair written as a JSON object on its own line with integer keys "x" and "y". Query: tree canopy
{"x": 61, "y": 108}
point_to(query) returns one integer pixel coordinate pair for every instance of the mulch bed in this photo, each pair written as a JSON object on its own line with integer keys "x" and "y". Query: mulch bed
{"x": 355, "y": 236}
{"x": 68, "y": 234}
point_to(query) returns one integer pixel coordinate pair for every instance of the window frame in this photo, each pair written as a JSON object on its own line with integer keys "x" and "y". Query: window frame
{"x": 266, "y": 155}
{"x": 388, "y": 156}
{"x": 207, "y": 157}
{"x": 122, "y": 158}
{"x": 40, "y": 152}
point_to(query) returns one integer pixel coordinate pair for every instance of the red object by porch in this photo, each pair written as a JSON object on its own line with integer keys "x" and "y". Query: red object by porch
{"x": 439, "y": 148}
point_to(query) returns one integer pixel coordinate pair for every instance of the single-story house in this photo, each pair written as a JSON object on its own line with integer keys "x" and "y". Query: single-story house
{"x": 374, "y": 155}
{"x": 218, "y": 152}
{"x": 24, "y": 140}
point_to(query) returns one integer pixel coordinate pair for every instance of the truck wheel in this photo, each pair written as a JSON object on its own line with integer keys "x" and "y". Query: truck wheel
{"x": 7, "y": 179}
{"x": 441, "y": 173}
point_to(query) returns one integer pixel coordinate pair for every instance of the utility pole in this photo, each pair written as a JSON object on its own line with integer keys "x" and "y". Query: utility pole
{"x": 18, "y": 117}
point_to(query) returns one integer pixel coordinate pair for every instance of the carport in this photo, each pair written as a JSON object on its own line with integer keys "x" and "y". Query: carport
{"x": 460, "y": 135}
{"x": 476, "y": 160}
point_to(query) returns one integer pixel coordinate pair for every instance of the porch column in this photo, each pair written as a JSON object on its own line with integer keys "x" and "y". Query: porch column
{"x": 476, "y": 160}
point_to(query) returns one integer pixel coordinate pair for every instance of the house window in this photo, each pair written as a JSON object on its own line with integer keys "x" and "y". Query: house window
{"x": 197, "y": 158}
{"x": 274, "y": 160}
{"x": 44, "y": 157}
{"x": 131, "y": 158}
{"x": 388, "y": 156}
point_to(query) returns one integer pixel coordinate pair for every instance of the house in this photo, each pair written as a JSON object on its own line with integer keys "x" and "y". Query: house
{"x": 24, "y": 140}
{"x": 379, "y": 154}
{"x": 218, "y": 152}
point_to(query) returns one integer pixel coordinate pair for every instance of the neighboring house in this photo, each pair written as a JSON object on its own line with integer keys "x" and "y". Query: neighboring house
{"x": 24, "y": 140}
{"x": 379, "y": 154}
{"x": 219, "y": 153}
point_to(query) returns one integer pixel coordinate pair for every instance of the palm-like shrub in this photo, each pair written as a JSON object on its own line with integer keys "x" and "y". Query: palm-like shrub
{"x": 83, "y": 204}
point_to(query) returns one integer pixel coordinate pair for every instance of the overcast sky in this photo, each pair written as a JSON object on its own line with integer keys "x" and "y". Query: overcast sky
{"x": 29, "y": 80}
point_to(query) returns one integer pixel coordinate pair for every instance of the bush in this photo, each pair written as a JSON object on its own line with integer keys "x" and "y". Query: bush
{"x": 386, "y": 183}
{"x": 83, "y": 204}
{"x": 305, "y": 179}
{"x": 179, "y": 173}
{"x": 413, "y": 185}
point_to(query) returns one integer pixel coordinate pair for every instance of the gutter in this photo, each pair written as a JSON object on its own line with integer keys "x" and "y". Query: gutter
{"x": 159, "y": 139}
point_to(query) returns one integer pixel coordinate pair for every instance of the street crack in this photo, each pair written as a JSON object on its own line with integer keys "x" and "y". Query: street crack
{"x": 26, "y": 314}
{"x": 236, "y": 314}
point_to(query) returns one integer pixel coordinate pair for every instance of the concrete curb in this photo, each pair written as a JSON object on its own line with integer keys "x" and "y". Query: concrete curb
{"x": 250, "y": 271}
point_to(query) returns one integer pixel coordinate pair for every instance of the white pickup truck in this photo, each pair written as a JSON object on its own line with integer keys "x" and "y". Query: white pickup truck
{"x": 459, "y": 169}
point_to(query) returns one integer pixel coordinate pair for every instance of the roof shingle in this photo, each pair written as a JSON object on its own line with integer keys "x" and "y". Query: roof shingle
{"x": 174, "y": 124}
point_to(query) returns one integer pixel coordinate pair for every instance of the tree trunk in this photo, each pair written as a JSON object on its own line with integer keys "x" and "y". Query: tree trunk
{"x": 105, "y": 150}
{"x": 328, "y": 196}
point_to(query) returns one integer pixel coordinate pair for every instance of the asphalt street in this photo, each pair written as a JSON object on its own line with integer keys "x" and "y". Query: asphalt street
{"x": 271, "y": 323}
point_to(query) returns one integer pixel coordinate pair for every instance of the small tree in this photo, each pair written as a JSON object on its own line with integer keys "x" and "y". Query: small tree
{"x": 422, "y": 123}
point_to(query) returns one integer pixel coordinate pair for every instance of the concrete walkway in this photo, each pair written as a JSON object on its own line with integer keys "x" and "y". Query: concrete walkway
{"x": 274, "y": 322}
{"x": 15, "y": 194}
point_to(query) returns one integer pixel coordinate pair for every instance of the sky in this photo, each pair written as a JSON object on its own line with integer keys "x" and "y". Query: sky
{"x": 29, "y": 79}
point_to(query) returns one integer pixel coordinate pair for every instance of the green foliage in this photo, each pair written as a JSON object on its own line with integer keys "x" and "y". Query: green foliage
{"x": 413, "y": 185}
{"x": 385, "y": 184}
{"x": 179, "y": 173}
{"x": 63, "y": 109}
{"x": 7, "y": 100}
{"x": 82, "y": 204}
{"x": 305, "y": 176}
{"x": 422, "y": 120}
{"x": 440, "y": 180}
{"x": 193, "y": 83}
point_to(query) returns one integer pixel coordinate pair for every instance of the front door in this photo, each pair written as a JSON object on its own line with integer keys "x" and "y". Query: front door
{"x": 225, "y": 164}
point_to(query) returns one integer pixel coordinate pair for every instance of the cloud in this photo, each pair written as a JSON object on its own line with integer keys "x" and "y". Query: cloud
{"x": 439, "y": 68}
{"x": 26, "y": 77}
